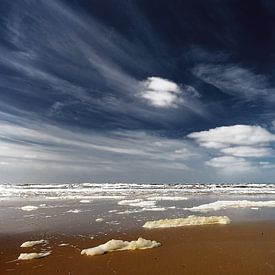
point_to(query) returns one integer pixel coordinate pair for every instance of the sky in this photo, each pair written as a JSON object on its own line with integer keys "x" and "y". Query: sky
{"x": 137, "y": 91}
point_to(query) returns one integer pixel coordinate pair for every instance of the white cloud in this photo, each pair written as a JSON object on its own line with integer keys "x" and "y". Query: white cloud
{"x": 222, "y": 137}
{"x": 161, "y": 92}
{"x": 229, "y": 163}
{"x": 161, "y": 85}
{"x": 247, "y": 151}
{"x": 234, "y": 80}
{"x": 161, "y": 99}
{"x": 236, "y": 143}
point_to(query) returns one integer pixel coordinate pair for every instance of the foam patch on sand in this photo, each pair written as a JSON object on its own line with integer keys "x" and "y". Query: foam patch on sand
{"x": 29, "y": 208}
{"x": 219, "y": 205}
{"x": 119, "y": 245}
{"x": 33, "y": 243}
{"x": 190, "y": 220}
{"x": 30, "y": 256}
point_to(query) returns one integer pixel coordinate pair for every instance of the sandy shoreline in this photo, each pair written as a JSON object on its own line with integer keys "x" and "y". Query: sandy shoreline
{"x": 243, "y": 248}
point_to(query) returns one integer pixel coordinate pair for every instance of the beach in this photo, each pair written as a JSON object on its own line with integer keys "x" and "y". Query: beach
{"x": 227, "y": 249}
{"x": 137, "y": 137}
{"x": 88, "y": 217}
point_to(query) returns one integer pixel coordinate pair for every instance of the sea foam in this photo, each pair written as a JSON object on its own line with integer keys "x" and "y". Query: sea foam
{"x": 30, "y": 256}
{"x": 85, "y": 201}
{"x": 33, "y": 243}
{"x": 75, "y": 211}
{"x": 119, "y": 245}
{"x": 141, "y": 205}
{"x": 167, "y": 198}
{"x": 138, "y": 203}
{"x": 219, "y": 205}
{"x": 29, "y": 208}
{"x": 190, "y": 220}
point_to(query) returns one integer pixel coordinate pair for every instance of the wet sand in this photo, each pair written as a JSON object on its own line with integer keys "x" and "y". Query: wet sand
{"x": 241, "y": 248}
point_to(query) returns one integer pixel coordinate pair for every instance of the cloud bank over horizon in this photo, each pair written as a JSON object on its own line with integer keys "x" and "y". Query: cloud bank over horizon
{"x": 238, "y": 146}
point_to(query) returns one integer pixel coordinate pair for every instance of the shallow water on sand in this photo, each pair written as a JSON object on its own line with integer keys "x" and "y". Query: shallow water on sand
{"x": 100, "y": 216}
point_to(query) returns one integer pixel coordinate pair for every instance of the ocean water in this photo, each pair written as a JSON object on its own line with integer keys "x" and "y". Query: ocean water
{"x": 115, "y": 207}
{"x": 129, "y": 190}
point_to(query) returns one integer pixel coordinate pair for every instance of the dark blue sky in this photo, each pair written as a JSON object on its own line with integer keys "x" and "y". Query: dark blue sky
{"x": 143, "y": 91}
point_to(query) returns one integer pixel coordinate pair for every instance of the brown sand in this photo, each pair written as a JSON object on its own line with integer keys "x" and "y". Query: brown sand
{"x": 215, "y": 249}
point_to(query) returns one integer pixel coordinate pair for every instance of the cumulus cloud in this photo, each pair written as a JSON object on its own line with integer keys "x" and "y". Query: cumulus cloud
{"x": 236, "y": 143}
{"x": 234, "y": 80}
{"x": 161, "y": 85}
{"x": 222, "y": 137}
{"x": 164, "y": 93}
{"x": 161, "y": 92}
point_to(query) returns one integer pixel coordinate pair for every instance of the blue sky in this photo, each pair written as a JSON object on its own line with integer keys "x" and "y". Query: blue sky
{"x": 139, "y": 91}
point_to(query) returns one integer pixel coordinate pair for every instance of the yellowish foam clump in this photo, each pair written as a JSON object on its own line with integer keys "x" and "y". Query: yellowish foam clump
{"x": 30, "y": 256}
{"x": 190, "y": 220}
{"x": 33, "y": 243}
{"x": 119, "y": 245}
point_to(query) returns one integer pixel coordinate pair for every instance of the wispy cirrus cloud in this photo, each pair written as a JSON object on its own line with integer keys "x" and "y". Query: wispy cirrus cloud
{"x": 68, "y": 66}
{"x": 66, "y": 154}
{"x": 71, "y": 104}
{"x": 235, "y": 80}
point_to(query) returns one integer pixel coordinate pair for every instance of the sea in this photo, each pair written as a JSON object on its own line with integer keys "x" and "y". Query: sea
{"x": 101, "y": 208}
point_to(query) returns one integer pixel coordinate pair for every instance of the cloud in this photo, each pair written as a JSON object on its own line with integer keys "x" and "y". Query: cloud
{"x": 229, "y": 163}
{"x": 43, "y": 152}
{"x": 191, "y": 91}
{"x": 199, "y": 54}
{"x": 267, "y": 165}
{"x": 161, "y": 92}
{"x": 236, "y": 143}
{"x": 247, "y": 151}
{"x": 222, "y": 137}
{"x": 161, "y": 85}
{"x": 164, "y": 93}
{"x": 68, "y": 66}
{"x": 235, "y": 80}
